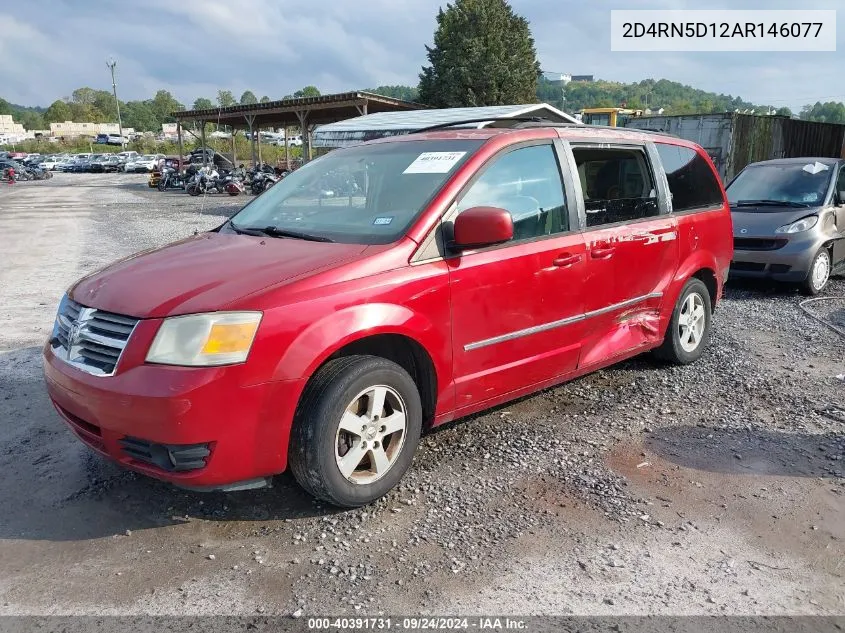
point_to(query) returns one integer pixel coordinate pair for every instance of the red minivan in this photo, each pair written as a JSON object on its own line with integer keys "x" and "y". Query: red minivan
{"x": 387, "y": 288}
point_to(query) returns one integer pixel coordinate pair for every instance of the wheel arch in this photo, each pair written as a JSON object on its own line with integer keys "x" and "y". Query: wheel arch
{"x": 701, "y": 266}
{"x": 384, "y": 330}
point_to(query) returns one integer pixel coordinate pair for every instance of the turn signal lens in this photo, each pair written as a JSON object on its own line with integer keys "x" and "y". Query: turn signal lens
{"x": 227, "y": 338}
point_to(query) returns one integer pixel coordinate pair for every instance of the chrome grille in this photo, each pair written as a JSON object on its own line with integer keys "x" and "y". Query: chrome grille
{"x": 90, "y": 339}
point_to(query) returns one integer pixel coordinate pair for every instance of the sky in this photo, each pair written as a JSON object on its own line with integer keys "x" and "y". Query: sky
{"x": 193, "y": 48}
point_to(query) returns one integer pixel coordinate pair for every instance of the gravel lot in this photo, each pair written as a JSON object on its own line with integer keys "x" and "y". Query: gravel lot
{"x": 711, "y": 489}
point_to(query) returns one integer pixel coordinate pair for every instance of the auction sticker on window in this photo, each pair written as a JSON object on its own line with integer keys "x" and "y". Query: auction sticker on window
{"x": 434, "y": 162}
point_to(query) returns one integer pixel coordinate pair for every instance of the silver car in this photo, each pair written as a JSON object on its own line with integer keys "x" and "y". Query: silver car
{"x": 789, "y": 221}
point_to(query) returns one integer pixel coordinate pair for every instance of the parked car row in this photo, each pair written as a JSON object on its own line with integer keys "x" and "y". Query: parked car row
{"x": 14, "y": 170}
{"x": 87, "y": 162}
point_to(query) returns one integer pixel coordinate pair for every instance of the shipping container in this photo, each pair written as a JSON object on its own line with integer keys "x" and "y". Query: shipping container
{"x": 734, "y": 140}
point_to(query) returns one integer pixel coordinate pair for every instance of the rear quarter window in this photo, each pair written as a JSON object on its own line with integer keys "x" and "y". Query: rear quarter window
{"x": 691, "y": 180}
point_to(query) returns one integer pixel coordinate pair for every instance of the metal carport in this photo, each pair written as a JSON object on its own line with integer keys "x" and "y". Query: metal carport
{"x": 378, "y": 125}
{"x": 305, "y": 112}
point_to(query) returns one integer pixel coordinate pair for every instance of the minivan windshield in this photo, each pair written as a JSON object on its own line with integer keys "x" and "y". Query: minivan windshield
{"x": 367, "y": 194}
{"x": 787, "y": 184}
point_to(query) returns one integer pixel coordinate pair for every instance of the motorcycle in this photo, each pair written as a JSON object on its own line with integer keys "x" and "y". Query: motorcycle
{"x": 232, "y": 182}
{"x": 170, "y": 179}
{"x": 261, "y": 181}
{"x": 205, "y": 180}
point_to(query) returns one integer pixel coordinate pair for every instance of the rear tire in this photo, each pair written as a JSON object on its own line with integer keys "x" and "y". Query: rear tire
{"x": 689, "y": 329}
{"x": 193, "y": 190}
{"x": 355, "y": 431}
{"x": 819, "y": 274}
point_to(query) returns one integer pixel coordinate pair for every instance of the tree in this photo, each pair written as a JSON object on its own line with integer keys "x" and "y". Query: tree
{"x": 30, "y": 120}
{"x": 140, "y": 116}
{"x": 202, "y": 103}
{"x": 830, "y": 112}
{"x": 103, "y": 100}
{"x": 163, "y": 104}
{"x": 406, "y": 93}
{"x": 85, "y": 96}
{"x": 5, "y": 107}
{"x": 307, "y": 91}
{"x": 264, "y": 99}
{"x": 784, "y": 112}
{"x": 225, "y": 98}
{"x": 248, "y": 97}
{"x": 58, "y": 112}
{"x": 85, "y": 112}
{"x": 483, "y": 54}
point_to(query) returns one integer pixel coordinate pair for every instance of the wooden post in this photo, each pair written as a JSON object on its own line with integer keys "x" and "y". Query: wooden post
{"x": 258, "y": 142}
{"x": 202, "y": 140}
{"x": 250, "y": 118}
{"x": 234, "y": 154}
{"x": 287, "y": 149}
{"x": 181, "y": 151}
{"x": 302, "y": 115}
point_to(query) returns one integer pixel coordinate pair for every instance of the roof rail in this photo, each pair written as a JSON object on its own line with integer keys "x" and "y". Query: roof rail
{"x": 515, "y": 119}
{"x": 535, "y": 121}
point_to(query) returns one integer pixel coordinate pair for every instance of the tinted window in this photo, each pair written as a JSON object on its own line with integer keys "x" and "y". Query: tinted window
{"x": 792, "y": 184}
{"x": 526, "y": 182}
{"x": 840, "y": 186}
{"x": 617, "y": 185}
{"x": 691, "y": 181}
{"x": 367, "y": 194}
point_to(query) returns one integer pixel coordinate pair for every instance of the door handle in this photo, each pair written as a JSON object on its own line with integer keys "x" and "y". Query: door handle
{"x": 565, "y": 260}
{"x": 605, "y": 252}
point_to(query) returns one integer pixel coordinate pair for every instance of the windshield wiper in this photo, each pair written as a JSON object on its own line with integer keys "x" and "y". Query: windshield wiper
{"x": 273, "y": 231}
{"x": 770, "y": 203}
{"x": 242, "y": 231}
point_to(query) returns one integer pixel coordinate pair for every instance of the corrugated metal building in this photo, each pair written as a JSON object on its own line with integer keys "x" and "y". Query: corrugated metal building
{"x": 382, "y": 124}
{"x": 733, "y": 140}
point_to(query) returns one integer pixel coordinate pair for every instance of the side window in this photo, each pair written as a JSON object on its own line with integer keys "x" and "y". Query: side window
{"x": 617, "y": 185}
{"x": 527, "y": 183}
{"x": 840, "y": 184}
{"x": 691, "y": 181}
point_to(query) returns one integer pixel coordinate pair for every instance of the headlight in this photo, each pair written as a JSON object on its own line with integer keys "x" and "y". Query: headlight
{"x": 216, "y": 338}
{"x": 804, "y": 224}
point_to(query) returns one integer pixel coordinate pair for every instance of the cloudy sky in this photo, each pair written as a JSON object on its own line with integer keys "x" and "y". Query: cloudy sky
{"x": 273, "y": 47}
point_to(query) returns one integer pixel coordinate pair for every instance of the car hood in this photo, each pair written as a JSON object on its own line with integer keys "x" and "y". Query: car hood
{"x": 762, "y": 221}
{"x": 204, "y": 273}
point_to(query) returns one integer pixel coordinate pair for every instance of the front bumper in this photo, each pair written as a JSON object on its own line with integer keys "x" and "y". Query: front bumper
{"x": 194, "y": 427}
{"x": 789, "y": 263}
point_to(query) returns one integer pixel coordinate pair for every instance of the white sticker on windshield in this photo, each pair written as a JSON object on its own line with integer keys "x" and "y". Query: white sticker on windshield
{"x": 383, "y": 221}
{"x": 434, "y": 162}
{"x": 815, "y": 168}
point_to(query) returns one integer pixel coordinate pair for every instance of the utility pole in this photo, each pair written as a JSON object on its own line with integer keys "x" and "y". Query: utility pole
{"x": 111, "y": 63}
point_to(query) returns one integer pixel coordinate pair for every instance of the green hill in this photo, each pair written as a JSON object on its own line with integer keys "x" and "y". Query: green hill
{"x": 673, "y": 97}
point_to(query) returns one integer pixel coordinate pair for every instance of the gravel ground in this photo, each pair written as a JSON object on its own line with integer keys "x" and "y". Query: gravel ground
{"x": 641, "y": 489}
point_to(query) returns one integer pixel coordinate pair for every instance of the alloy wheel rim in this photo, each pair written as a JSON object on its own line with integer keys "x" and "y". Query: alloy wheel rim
{"x": 821, "y": 271}
{"x": 691, "y": 322}
{"x": 370, "y": 435}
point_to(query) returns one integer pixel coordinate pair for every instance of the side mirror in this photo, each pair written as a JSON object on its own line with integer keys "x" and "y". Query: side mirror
{"x": 481, "y": 226}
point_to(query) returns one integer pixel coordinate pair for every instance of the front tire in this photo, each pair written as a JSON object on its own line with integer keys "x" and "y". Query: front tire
{"x": 689, "y": 329}
{"x": 193, "y": 190}
{"x": 819, "y": 274}
{"x": 355, "y": 431}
